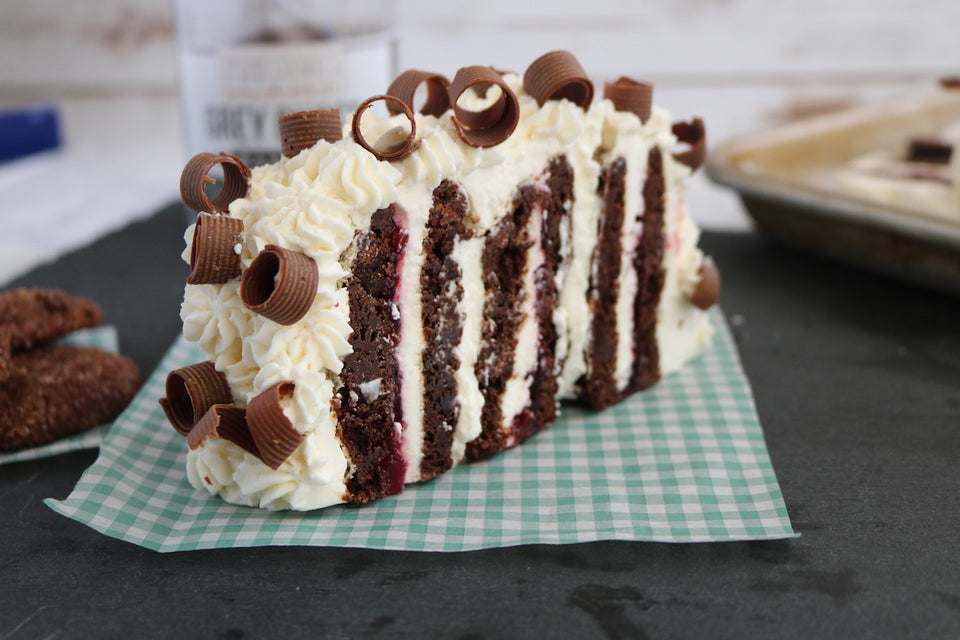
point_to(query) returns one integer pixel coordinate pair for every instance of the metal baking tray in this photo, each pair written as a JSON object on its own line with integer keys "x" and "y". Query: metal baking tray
{"x": 783, "y": 178}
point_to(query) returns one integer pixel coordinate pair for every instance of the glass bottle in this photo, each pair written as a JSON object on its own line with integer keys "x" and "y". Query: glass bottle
{"x": 243, "y": 63}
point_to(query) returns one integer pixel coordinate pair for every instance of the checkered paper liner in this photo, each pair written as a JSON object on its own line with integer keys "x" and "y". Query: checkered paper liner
{"x": 682, "y": 462}
{"x": 104, "y": 337}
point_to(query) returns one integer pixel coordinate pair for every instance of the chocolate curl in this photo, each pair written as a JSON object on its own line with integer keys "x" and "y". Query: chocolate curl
{"x": 225, "y": 421}
{"x": 629, "y": 95}
{"x": 492, "y": 125}
{"x": 694, "y": 134}
{"x": 194, "y": 179}
{"x": 191, "y": 391}
{"x": 214, "y": 258}
{"x": 707, "y": 292}
{"x": 280, "y": 284}
{"x": 404, "y": 87}
{"x": 303, "y": 129}
{"x": 395, "y": 151}
{"x": 932, "y": 151}
{"x": 558, "y": 75}
{"x": 272, "y": 431}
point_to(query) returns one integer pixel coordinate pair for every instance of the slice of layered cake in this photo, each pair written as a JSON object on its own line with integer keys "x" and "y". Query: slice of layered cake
{"x": 422, "y": 289}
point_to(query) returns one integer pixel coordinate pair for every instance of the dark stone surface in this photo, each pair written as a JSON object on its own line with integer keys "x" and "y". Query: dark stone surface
{"x": 857, "y": 380}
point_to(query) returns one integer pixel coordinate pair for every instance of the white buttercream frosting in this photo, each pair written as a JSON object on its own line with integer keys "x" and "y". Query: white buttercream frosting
{"x": 468, "y": 254}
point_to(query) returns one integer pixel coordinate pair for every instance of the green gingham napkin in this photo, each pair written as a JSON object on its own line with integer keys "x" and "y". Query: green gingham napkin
{"x": 682, "y": 462}
{"x": 106, "y": 338}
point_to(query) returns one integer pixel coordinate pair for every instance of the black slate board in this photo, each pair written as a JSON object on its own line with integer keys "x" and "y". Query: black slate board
{"x": 857, "y": 381}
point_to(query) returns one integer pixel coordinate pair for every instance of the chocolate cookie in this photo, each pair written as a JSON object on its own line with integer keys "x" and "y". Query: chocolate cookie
{"x": 57, "y": 390}
{"x": 5, "y": 353}
{"x": 35, "y": 316}
{"x": 30, "y": 317}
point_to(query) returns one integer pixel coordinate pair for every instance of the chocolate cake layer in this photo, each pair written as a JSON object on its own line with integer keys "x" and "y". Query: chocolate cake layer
{"x": 648, "y": 261}
{"x": 441, "y": 293}
{"x": 600, "y": 387}
{"x": 556, "y": 205}
{"x": 503, "y": 262}
{"x": 368, "y": 402}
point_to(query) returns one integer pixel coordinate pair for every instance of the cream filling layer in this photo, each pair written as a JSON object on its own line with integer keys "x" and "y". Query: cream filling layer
{"x": 469, "y": 253}
{"x": 683, "y": 330}
{"x": 572, "y": 315}
{"x": 411, "y": 346}
{"x": 561, "y": 316}
{"x": 628, "y": 283}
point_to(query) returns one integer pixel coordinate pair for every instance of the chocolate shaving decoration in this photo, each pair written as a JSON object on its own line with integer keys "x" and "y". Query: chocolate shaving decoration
{"x": 272, "y": 431}
{"x": 303, "y": 129}
{"x": 191, "y": 391}
{"x": 225, "y": 421}
{"x": 396, "y": 152}
{"x": 280, "y": 284}
{"x": 405, "y": 88}
{"x": 214, "y": 258}
{"x": 558, "y": 75}
{"x": 932, "y": 151}
{"x": 707, "y": 292}
{"x": 629, "y": 95}
{"x": 694, "y": 134}
{"x": 194, "y": 179}
{"x": 492, "y": 125}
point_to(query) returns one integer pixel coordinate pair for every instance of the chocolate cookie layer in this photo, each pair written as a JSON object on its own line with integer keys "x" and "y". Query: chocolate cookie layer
{"x": 503, "y": 262}
{"x": 600, "y": 388}
{"x": 648, "y": 261}
{"x": 368, "y": 402}
{"x": 441, "y": 292}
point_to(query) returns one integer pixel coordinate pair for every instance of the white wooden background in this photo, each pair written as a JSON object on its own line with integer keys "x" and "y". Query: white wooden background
{"x": 109, "y": 66}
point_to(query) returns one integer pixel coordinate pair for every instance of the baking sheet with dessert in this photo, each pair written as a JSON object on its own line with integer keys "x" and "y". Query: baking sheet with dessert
{"x": 876, "y": 185}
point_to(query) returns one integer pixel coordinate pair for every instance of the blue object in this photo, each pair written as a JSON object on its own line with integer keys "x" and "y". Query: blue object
{"x": 28, "y": 130}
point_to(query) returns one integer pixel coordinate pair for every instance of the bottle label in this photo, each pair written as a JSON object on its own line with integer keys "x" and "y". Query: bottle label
{"x": 232, "y": 97}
